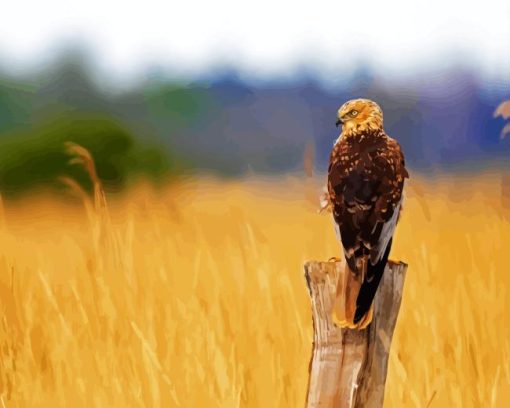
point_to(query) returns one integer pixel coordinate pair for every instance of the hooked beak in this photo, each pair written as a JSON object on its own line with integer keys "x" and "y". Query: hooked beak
{"x": 339, "y": 122}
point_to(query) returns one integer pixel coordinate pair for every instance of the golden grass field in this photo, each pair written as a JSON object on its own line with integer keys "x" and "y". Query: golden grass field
{"x": 194, "y": 296}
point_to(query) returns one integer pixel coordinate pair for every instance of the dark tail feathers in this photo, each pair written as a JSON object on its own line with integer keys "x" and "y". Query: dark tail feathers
{"x": 369, "y": 286}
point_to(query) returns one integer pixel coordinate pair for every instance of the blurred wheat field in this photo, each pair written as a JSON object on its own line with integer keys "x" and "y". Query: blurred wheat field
{"x": 195, "y": 297}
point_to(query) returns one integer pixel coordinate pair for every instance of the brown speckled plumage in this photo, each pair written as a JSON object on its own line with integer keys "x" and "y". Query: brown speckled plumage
{"x": 365, "y": 185}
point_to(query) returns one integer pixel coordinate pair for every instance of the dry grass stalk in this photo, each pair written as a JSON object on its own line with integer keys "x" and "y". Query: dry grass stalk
{"x": 221, "y": 313}
{"x": 80, "y": 192}
{"x": 503, "y": 110}
{"x": 2, "y": 213}
{"x": 103, "y": 233}
{"x": 83, "y": 157}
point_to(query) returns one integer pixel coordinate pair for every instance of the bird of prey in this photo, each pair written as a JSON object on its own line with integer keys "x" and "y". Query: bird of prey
{"x": 364, "y": 191}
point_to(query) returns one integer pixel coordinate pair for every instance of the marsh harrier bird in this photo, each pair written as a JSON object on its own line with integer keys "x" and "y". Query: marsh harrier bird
{"x": 364, "y": 191}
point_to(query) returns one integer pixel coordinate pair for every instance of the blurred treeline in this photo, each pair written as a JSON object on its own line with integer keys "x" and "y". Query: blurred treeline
{"x": 39, "y": 113}
{"x": 158, "y": 127}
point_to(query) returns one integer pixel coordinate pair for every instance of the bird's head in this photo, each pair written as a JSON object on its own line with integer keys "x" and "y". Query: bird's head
{"x": 358, "y": 115}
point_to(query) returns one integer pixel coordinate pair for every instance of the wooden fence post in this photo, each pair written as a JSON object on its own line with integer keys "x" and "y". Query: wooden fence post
{"x": 348, "y": 367}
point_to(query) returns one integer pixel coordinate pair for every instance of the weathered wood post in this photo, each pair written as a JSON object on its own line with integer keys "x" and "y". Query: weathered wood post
{"x": 348, "y": 367}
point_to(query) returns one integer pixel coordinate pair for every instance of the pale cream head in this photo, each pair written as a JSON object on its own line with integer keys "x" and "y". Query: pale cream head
{"x": 358, "y": 115}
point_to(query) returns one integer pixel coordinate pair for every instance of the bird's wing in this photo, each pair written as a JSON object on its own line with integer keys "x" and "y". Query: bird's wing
{"x": 365, "y": 186}
{"x": 366, "y": 204}
{"x": 392, "y": 173}
{"x": 340, "y": 161}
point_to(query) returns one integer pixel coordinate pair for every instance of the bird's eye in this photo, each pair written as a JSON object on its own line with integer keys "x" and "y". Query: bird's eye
{"x": 354, "y": 112}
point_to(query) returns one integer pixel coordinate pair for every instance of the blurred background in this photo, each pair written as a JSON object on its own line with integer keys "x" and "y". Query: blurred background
{"x": 178, "y": 279}
{"x": 156, "y": 91}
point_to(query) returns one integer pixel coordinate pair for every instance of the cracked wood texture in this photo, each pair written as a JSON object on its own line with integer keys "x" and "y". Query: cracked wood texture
{"x": 348, "y": 367}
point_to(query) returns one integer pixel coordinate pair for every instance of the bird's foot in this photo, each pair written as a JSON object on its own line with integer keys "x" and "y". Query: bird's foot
{"x": 344, "y": 323}
{"x": 324, "y": 202}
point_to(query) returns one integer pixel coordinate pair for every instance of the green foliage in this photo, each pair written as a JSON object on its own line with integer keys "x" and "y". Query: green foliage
{"x": 178, "y": 105}
{"x": 15, "y": 103}
{"x": 36, "y": 157}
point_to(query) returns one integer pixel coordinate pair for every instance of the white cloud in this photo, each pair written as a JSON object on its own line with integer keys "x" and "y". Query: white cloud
{"x": 261, "y": 38}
